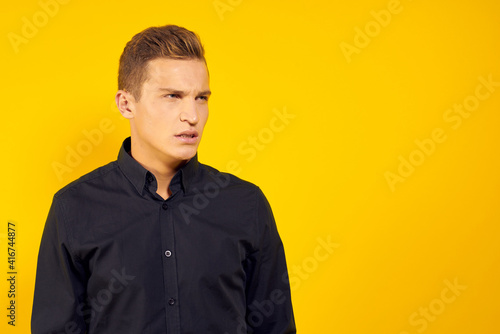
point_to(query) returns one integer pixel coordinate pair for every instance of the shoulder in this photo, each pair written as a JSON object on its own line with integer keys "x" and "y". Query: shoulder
{"x": 99, "y": 176}
{"x": 212, "y": 177}
{"x": 231, "y": 191}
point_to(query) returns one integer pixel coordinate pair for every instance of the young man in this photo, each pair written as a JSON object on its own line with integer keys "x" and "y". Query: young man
{"x": 157, "y": 242}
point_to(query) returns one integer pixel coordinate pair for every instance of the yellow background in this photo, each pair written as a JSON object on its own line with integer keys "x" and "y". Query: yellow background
{"x": 325, "y": 173}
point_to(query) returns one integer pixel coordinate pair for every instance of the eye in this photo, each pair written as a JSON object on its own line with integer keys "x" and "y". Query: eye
{"x": 203, "y": 97}
{"x": 171, "y": 96}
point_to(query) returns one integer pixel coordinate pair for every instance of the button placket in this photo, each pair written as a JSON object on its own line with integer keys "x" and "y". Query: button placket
{"x": 169, "y": 264}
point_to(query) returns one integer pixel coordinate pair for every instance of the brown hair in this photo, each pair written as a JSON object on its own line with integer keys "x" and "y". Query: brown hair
{"x": 168, "y": 41}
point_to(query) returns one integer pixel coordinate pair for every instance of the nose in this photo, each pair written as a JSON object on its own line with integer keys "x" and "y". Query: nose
{"x": 189, "y": 112}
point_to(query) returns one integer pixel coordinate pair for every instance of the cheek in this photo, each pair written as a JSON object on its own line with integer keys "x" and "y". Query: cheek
{"x": 158, "y": 118}
{"x": 203, "y": 116}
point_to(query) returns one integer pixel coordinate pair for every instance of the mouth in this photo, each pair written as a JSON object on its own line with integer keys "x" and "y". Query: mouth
{"x": 190, "y": 136}
{"x": 185, "y": 136}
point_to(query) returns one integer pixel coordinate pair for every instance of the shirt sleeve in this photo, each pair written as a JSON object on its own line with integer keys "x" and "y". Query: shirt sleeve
{"x": 269, "y": 305}
{"x": 60, "y": 281}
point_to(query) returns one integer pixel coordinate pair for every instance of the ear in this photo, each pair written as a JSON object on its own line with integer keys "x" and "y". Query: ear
{"x": 125, "y": 103}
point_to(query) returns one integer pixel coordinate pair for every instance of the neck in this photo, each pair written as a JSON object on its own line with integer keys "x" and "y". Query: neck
{"x": 163, "y": 179}
{"x": 163, "y": 170}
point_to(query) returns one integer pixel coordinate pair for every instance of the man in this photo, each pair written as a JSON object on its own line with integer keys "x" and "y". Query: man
{"x": 157, "y": 242}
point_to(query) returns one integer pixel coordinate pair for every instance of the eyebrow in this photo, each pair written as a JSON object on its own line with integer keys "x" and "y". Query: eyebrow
{"x": 180, "y": 92}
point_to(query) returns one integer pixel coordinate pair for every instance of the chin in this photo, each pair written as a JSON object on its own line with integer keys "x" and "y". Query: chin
{"x": 185, "y": 153}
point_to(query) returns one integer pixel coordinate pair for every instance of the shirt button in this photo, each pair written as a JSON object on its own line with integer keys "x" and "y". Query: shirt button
{"x": 171, "y": 301}
{"x": 168, "y": 253}
{"x": 164, "y": 206}
{"x": 150, "y": 178}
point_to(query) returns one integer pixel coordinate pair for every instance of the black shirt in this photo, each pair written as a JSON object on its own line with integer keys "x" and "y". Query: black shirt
{"x": 115, "y": 257}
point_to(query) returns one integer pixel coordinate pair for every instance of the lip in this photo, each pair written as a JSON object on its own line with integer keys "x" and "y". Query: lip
{"x": 188, "y": 136}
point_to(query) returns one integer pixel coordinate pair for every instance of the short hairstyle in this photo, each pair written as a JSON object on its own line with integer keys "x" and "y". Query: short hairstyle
{"x": 168, "y": 41}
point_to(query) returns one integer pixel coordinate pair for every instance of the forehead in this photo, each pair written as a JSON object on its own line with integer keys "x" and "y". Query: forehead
{"x": 183, "y": 73}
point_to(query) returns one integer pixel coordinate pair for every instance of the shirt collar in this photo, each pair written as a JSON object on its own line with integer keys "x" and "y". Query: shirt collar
{"x": 138, "y": 175}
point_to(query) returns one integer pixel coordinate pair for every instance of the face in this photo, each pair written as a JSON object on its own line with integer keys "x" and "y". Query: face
{"x": 167, "y": 122}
